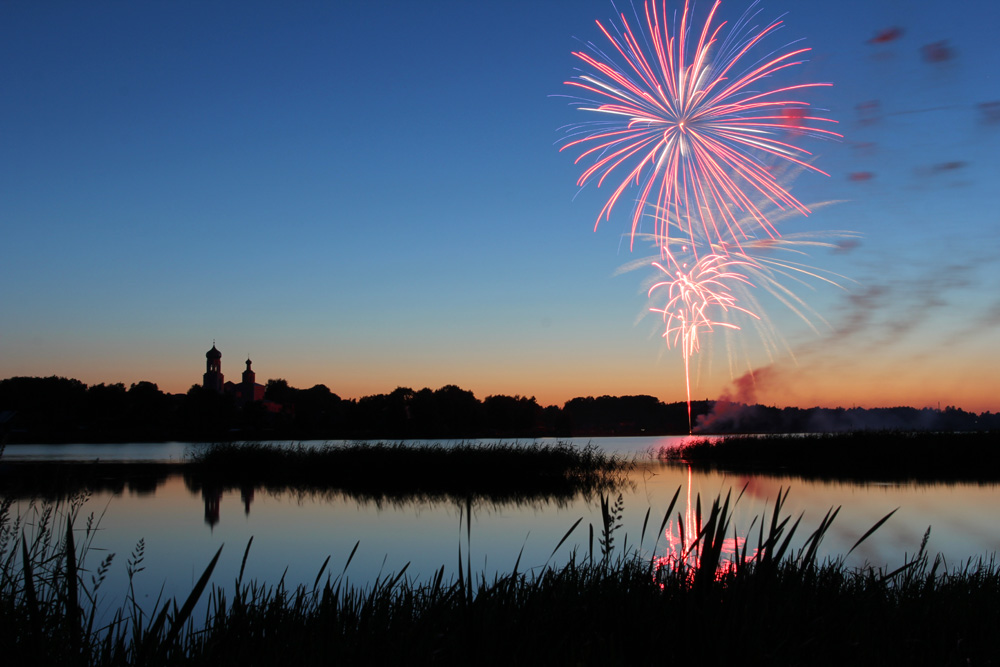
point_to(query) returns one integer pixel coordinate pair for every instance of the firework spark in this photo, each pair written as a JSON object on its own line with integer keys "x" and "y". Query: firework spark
{"x": 692, "y": 297}
{"x": 686, "y": 123}
{"x": 692, "y": 120}
{"x": 718, "y": 291}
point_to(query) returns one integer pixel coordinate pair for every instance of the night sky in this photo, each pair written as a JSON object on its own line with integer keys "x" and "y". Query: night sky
{"x": 371, "y": 195}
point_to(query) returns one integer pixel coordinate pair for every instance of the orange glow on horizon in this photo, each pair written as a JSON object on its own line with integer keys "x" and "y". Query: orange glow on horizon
{"x": 969, "y": 385}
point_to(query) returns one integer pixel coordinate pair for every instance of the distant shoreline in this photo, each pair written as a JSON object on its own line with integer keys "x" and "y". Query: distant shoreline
{"x": 60, "y": 410}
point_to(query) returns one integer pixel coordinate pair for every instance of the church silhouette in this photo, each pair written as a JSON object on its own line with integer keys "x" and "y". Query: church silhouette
{"x": 247, "y": 391}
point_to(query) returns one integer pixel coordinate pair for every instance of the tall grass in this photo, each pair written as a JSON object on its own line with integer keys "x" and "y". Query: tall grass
{"x": 775, "y": 601}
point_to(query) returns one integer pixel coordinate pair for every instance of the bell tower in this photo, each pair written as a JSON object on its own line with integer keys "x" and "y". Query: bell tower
{"x": 249, "y": 378}
{"x": 213, "y": 370}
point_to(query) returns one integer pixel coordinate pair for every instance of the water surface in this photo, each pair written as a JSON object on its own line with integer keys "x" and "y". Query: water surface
{"x": 293, "y": 533}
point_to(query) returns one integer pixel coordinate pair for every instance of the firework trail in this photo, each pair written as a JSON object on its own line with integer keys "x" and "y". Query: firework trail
{"x": 690, "y": 126}
{"x": 717, "y": 290}
{"x": 689, "y": 118}
{"x": 692, "y": 296}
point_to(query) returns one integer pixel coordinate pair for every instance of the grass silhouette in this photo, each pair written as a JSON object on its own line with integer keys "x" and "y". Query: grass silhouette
{"x": 775, "y": 604}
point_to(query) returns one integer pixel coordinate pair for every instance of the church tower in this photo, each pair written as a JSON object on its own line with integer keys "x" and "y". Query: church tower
{"x": 249, "y": 378}
{"x": 213, "y": 370}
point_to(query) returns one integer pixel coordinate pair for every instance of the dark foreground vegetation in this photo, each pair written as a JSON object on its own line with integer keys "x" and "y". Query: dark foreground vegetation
{"x": 767, "y": 603}
{"x": 860, "y": 456}
{"x": 59, "y": 410}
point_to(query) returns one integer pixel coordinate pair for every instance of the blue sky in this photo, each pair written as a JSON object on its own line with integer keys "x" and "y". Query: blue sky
{"x": 371, "y": 195}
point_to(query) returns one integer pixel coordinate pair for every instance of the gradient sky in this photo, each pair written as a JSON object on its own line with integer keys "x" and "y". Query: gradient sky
{"x": 370, "y": 195}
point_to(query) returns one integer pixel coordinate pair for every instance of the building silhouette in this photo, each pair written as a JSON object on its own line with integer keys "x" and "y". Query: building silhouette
{"x": 213, "y": 378}
{"x": 247, "y": 391}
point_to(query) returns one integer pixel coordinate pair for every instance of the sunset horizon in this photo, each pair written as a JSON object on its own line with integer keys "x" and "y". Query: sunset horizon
{"x": 368, "y": 200}
{"x": 750, "y": 389}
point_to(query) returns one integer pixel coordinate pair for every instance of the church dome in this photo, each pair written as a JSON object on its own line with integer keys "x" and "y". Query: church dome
{"x": 213, "y": 353}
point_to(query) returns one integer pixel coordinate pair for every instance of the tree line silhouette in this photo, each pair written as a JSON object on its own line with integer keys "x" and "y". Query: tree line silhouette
{"x": 59, "y": 410}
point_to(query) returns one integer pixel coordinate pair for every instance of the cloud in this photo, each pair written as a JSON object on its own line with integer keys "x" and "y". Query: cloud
{"x": 884, "y": 312}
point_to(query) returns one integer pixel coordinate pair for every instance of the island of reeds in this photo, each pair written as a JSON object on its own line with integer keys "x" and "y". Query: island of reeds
{"x": 766, "y": 603}
{"x": 495, "y": 472}
{"x": 859, "y": 456}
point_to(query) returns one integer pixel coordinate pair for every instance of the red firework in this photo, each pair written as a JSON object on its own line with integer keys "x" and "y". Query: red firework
{"x": 692, "y": 128}
{"x": 697, "y": 301}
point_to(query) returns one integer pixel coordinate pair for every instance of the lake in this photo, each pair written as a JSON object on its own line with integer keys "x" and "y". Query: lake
{"x": 294, "y": 533}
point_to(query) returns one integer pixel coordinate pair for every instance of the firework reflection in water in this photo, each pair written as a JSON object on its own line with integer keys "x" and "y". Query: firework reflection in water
{"x": 683, "y": 547}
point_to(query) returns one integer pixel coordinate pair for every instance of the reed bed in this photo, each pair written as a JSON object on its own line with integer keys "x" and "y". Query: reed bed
{"x": 497, "y": 470}
{"x": 857, "y": 456}
{"x": 503, "y": 472}
{"x": 770, "y": 604}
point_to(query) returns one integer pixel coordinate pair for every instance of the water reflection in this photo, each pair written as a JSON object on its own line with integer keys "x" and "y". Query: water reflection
{"x": 686, "y": 536}
{"x": 246, "y": 495}
{"x": 57, "y": 483}
{"x": 213, "y": 504}
{"x": 212, "y": 497}
{"x": 297, "y": 531}
{"x": 298, "y": 527}
{"x": 394, "y": 476}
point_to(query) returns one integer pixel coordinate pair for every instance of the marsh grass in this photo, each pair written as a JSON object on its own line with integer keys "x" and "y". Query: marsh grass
{"x": 777, "y": 603}
{"x": 498, "y": 472}
{"x": 369, "y": 471}
{"x": 859, "y": 456}
{"x": 435, "y": 464}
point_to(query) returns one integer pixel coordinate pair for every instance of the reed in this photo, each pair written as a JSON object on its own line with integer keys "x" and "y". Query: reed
{"x": 377, "y": 469}
{"x": 858, "y": 456}
{"x": 502, "y": 472}
{"x": 506, "y": 458}
{"x": 775, "y": 603}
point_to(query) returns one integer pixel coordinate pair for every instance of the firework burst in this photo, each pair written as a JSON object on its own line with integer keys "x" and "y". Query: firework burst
{"x": 690, "y": 125}
{"x": 697, "y": 296}
{"x": 693, "y": 296}
{"x": 694, "y": 122}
